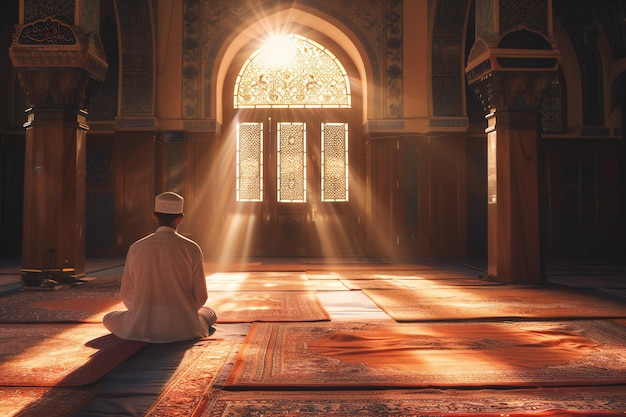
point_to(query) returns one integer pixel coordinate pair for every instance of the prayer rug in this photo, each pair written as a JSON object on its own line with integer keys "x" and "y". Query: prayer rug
{"x": 342, "y": 260}
{"x": 86, "y": 303}
{"x": 268, "y": 282}
{"x": 364, "y": 267}
{"x": 73, "y": 305}
{"x": 49, "y": 402}
{"x": 324, "y": 275}
{"x": 391, "y": 274}
{"x": 184, "y": 394}
{"x": 275, "y": 285}
{"x": 394, "y": 284}
{"x": 368, "y": 355}
{"x": 464, "y": 303}
{"x": 435, "y": 274}
{"x": 64, "y": 355}
{"x": 242, "y": 266}
{"x": 243, "y": 306}
{"x": 565, "y": 402}
{"x": 254, "y": 275}
{"x": 247, "y": 307}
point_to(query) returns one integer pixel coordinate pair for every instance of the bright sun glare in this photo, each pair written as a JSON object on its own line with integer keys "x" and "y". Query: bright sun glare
{"x": 278, "y": 50}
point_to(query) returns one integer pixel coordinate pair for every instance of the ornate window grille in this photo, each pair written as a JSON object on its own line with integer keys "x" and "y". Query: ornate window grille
{"x": 291, "y": 138}
{"x": 292, "y": 72}
{"x": 249, "y": 170}
{"x": 334, "y": 162}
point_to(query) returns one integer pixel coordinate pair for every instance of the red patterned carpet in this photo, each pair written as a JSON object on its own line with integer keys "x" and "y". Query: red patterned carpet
{"x": 370, "y": 355}
{"x": 313, "y": 349}
{"x": 432, "y": 403}
{"x": 246, "y": 307}
{"x": 88, "y": 304}
{"x": 85, "y": 303}
{"x": 466, "y": 303}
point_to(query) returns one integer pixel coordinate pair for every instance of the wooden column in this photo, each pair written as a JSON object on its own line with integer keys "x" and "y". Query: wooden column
{"x": 54, "y": 190}
{"x": 513, "y": 207}
{"x": 512, "y": 62}
{"x": 57, "y": 65}
{"x": 513, "y": 135}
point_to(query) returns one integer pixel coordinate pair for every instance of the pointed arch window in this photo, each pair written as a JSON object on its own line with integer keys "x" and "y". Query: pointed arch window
{"x": 292, "y": 72}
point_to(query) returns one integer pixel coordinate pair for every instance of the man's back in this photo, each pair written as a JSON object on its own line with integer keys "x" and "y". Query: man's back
{"x": 163, "y": 287}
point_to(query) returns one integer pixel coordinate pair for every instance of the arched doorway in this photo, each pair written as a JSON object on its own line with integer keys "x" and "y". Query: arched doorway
{"x": 292, "y": 125}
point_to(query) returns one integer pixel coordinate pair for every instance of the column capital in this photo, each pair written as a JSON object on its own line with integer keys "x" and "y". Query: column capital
{"x": 510, "y": 79}
{"x": 513, "y": 91}
{"x": 512, "y": 70}
{"x": 56, "y": 62}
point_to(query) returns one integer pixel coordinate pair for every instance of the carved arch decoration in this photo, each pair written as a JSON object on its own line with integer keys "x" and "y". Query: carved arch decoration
{"x": 210, "y": 52}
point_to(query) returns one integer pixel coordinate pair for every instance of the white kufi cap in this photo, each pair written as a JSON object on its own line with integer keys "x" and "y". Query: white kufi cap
{"x": 168, "y": 203}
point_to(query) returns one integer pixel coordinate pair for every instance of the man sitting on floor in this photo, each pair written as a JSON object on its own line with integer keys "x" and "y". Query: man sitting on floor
{"x": 163, "y": 284}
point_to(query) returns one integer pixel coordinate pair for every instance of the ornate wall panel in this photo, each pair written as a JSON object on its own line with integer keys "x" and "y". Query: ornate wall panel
{"x": 192, "y": 43}
{"x": 103, "y": 104}
{"x": 89, "y": 15}
{"x": 393, "y": 59}
{"x": 531, "y": 14}
{"x": 40, "y": 9}
{"x": 447, "y": 65}
{"x": 135, "y": 21}
{"x": 485, "y": 16}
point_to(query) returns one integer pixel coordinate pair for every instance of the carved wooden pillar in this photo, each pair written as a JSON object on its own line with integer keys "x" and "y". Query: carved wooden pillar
{"x": 57, "y": 64}
{"x": 510, "y": 67}
{"x": 54, "y": 191}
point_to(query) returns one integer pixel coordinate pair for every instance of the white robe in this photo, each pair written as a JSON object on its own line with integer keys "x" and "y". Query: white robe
{"x": 163, "y": 287}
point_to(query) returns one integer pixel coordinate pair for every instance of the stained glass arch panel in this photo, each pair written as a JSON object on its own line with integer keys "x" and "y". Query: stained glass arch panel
{"x": 292, "y": 72}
